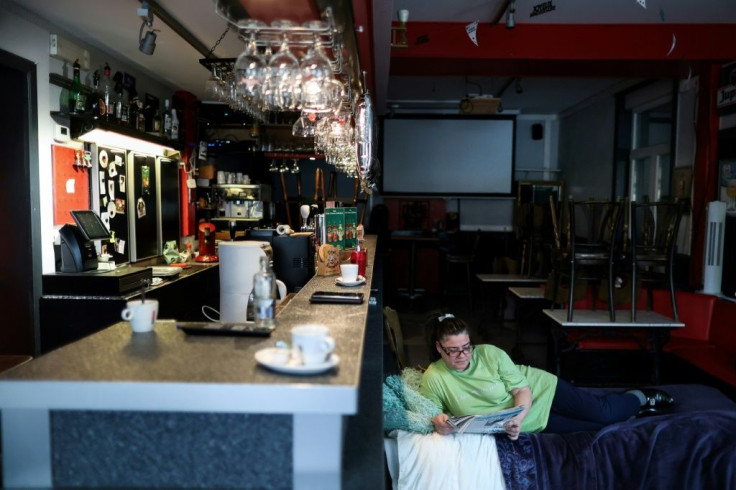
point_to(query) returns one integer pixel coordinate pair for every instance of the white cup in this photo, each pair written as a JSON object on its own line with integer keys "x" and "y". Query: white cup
{"x": 312, "y": 343}
{"x": 221, "y": 177}
{"x": 349, "y": 272}
{"x": 141, "y": 315}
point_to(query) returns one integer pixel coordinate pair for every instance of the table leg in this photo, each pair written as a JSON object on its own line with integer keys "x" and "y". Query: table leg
{"x": 317, "y": 451}
{"x": 26, "y": 448}
{"x": 412, "y": 268}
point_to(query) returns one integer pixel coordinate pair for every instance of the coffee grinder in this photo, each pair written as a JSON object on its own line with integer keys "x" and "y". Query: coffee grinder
{"x": 207, "y": 243}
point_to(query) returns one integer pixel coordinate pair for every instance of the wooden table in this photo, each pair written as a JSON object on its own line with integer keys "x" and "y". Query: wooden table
{"x": 658, "y": 326}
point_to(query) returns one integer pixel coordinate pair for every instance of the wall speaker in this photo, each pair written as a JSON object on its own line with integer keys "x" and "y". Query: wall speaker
{"x": 537, "y": 131}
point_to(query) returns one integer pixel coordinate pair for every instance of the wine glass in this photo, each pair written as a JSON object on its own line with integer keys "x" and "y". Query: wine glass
{"x": 316, "y": 72}
{"x": 250, "y": 69}
{"x": 285, "y": 75}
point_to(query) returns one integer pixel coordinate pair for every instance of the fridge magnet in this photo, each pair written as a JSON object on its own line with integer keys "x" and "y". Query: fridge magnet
{"x": 120, "y": 246}
{"x": 104, "y": 202}
{"x": 112, "y": 170}
{"x": 120, "y": 205}
{"x": 140, "y": 206}
{"x": 105, "y": 219}
{"x": 111, "y": 188}
{"x": 111, "y": 209}
{"x": 103, "y": 159}
{"x": 118, "y": 160}
{"x": 145, "y": 180}
{"x": 102, "y": 183}
{"x": 121, "y": 183}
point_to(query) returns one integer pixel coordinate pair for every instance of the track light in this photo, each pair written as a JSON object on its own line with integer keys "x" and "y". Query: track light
{"x": 510, "y": 22}
{"x": 146, "y": 44}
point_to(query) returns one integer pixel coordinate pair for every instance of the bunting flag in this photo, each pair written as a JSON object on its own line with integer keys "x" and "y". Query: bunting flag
{"x": 643, "y": 3}
{"x": 471, "y": 29}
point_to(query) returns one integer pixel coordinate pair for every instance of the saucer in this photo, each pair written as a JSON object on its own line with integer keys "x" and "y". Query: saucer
{"x": 268, "y": 357}
{"x": 357, "y": 282}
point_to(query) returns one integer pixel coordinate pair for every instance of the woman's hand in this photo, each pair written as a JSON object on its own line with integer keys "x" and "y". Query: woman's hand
{"x": 513, "y": 428}
{"x": 441, "y": 426}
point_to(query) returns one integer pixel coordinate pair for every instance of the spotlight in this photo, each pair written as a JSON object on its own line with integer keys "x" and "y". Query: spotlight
{"x": 146, "y": 44}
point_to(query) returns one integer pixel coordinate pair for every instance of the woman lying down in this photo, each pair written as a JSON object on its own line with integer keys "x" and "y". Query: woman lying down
{"x": 471, "y": 380}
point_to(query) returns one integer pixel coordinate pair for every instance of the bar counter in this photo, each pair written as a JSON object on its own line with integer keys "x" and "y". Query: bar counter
{"x": 167, "y": 409}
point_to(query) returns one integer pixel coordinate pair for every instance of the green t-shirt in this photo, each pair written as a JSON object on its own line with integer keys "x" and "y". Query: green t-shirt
{"x": 485, "y": 385}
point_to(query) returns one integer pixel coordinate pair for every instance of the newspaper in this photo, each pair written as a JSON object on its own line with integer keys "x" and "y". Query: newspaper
{"x": 491, "y": 423}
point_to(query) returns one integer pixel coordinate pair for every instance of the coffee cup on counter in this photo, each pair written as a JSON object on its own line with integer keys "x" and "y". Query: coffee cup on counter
{"x": 312, "y": 343}
{"x": 141, "y": 314}
{"x": 349, "y": 272}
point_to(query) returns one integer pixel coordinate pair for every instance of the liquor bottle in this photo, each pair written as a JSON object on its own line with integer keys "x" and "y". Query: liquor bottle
{"x": 118, "y": 104}
{"x": 167, "y": 120}
{"x": 264, "y": 295}
{"x": 157, "y": 121}
{"x": 124, "y": 109}
{"x": 76, "y": 96}
{"x": 95, "y": 101}
{"x": 174, "y": 124}
{"x": 133, "y": 109}
{"x": 107, "y": 93}
{"x": 141, "y": 121}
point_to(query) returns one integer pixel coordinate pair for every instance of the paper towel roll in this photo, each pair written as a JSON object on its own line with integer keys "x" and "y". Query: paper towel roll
{"x": 283, "y": 229}
{"x": 239, "y": 261}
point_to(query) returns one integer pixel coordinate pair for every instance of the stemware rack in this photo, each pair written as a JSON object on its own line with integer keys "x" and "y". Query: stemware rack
{"x": 300, "y": 37}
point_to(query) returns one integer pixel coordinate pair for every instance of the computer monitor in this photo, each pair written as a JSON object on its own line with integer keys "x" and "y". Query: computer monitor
{"x": 91, "y": 225}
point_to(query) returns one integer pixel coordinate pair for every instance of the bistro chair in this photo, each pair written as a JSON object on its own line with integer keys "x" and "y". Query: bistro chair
{"x": 654, "y": 228}
{"x": 595, "y": 228}
{"x": 395, "y": 336}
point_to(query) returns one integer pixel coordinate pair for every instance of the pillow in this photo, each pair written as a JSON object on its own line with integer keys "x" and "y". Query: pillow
{"x": 403, "y": 406}
{"x": 452, "y": 462}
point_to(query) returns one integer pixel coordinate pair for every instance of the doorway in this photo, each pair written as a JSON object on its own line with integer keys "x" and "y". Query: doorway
{"x": 20, "y": 268}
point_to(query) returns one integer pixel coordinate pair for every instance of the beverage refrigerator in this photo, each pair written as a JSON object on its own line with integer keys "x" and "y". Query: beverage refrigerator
{"x": 137, "y": 197}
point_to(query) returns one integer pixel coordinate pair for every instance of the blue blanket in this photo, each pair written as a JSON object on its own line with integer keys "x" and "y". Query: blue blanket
{"x": 694, "y": 450}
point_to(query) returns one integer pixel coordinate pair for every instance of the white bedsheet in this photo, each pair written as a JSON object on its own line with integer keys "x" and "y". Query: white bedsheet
{"x": 453, "y": 462}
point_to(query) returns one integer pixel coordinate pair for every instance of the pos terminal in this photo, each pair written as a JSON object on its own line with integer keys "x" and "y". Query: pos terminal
{"x": 78, "y": 252}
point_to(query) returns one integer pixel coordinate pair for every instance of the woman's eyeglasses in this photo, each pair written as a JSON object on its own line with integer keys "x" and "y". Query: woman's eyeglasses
{"x": 456, "y": 351}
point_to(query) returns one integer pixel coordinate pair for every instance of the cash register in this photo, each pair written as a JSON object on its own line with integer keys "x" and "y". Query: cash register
{"x": 78, "y": 252}
{"x": 79, "y": 274}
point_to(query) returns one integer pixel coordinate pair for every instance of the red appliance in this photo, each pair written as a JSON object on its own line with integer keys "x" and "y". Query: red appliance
{"x": 207, "y": 243}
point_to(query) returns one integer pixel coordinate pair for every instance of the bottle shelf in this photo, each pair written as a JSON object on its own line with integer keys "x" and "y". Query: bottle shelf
{"x": 298, "y": 156}
{"x": 82, "y": 123}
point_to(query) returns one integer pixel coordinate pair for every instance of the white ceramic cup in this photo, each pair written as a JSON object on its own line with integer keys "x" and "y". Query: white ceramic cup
{"x": 221, "y": 177}
{"x": 141, "y": 315}
{"x": 349, "y": 272}
{"x": 312, "y": 343}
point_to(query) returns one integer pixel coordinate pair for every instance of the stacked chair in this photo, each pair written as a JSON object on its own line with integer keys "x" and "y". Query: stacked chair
{"x": 654, "y": 228}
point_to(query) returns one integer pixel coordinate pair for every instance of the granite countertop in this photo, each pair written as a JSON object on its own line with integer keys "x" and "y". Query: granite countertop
{"x": 169, "y": 370}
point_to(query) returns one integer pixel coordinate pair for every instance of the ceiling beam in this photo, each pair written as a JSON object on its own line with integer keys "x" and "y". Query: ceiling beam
{"x": 443, "y": 48}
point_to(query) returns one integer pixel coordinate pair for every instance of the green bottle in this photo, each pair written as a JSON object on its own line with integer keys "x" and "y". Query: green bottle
{"x": 77, "y": 99}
